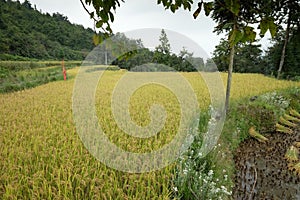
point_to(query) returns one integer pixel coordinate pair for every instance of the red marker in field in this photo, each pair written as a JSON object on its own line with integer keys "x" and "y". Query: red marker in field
{"x": 64, "y": 70}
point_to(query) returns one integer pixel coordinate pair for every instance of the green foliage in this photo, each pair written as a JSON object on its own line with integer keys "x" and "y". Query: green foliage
{"x": 164, "y": 46}
{"x": 15, "y": 76}
{"x": 247, "y": 57}
{"x": 268, "y": 24}
{"x": 138, "y": 58}
{"x": 28, "y": 33}
{"x": 198, "y": 177}
{"x": 272, "y": 58}
{"x": 104, "y": 10}
{"x": 261, "y": 111}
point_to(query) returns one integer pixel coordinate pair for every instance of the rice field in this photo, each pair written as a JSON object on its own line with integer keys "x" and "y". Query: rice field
{"x": 42, "y": 156}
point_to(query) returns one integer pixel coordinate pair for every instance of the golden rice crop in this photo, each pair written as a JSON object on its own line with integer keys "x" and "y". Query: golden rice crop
{"x": 42, "y": 156}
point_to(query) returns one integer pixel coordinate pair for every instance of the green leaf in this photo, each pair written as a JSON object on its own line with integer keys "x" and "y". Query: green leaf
{"x": 272, "y": 28}
{"x": 264, "y": 26}
{"x": 228, "y": 26}
{"x": 111, "y": 15}
{"x": 99, "y": 24}
{"x": 103, "y": 15}
{"x": 197, "y": 12}
{"x": 234, "y": 6}
{"x": 249, "y": 34}
{"x": 235, "y": 36}
{"x": 208, "y": 7}
{"x": 96, "y": 5}
{"x": 187, "y": 6}
{"x": 173, "y": 8}
{"x": 109, "y": 29}
{"x": 97, "y": 39}
{"x": 268, "y": 24}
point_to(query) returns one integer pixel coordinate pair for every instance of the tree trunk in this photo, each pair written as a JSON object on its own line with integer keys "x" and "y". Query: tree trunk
{"x": 286, "y": 39}
{"x": 230, "y": 69}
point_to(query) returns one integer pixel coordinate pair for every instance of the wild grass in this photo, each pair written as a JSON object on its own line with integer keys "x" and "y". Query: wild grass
{"x": 20, "y": 75}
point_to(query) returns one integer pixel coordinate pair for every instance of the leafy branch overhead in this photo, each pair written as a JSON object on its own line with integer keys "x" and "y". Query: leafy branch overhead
{"x": 230, "y": 13}
{"x": 233, "y": 16}
{"x": 103, "y": 13}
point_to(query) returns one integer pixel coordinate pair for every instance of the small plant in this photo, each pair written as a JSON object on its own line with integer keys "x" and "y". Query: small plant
{"x": 292, "y": 154}
{"x": 297, "y": 168}
{"x": 291, "y": 118}
{"x": 283, "y": 129}
{"x": 256, "y": 135}
{"x": 297, "y": 144}
{"x": 286, "y": 122}
{"x": 295, "y": 113}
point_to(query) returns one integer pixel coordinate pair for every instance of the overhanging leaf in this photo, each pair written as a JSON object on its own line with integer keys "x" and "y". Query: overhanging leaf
{"x": 272, "y": 28}
{"x": 197, "y": 12}
{"x": 228, "y": 25}
{"x": 208, "y": 7}
{"x": 96, "y": 39}
{"x": 99, "y": 24}
{"x": 264, "y": 26}
{"x": 249, "y": 34}
{"x": 235, "y": 36}
{"x": 234, "y": 6}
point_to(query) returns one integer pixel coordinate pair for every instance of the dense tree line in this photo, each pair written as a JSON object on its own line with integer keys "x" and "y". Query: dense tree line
{"x": 249, "y": 58}
{"x": 26, "y": 32}
{"x": 161, "y": 59}
{"x": 291, "y": 64}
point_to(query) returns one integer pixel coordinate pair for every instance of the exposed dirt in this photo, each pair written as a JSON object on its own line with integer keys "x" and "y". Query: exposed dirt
{"x": 261, "y": 170}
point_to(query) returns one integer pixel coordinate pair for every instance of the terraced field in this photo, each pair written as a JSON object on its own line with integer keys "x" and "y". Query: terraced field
{"x": 42, "y": 156}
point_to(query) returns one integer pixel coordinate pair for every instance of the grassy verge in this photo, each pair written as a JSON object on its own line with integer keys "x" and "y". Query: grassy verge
{"x": 212, "y": 177}
{"x": 16, "y": 75}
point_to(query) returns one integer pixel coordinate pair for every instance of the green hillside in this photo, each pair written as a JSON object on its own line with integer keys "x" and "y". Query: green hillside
{"x": 26, "y": 32}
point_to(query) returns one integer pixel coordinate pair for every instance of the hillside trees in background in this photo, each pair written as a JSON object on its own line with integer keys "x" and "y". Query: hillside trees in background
{"x": 161, "y": 59}
{"x": 26, "y": 32}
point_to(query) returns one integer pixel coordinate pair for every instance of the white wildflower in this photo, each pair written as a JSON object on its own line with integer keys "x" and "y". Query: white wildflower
{"x": 175, "y": 189}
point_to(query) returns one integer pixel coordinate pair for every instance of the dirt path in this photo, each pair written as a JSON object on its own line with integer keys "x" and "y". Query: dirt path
{"x": 262, "y": 171}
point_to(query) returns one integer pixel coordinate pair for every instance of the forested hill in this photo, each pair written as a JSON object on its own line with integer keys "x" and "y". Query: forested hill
{"x": 26, "y": 32}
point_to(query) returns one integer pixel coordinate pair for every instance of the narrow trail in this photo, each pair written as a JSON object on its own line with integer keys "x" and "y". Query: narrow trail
{"x": 262, "y": 172}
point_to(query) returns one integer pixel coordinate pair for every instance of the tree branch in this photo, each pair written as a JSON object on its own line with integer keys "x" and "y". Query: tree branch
{"x": 83, "y": 5}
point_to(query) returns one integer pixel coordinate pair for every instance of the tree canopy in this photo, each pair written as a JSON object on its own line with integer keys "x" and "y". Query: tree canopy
{"x": 24, "y": 31}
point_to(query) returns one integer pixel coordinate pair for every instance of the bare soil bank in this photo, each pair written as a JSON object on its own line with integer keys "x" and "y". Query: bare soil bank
{"x": 261, "y": 170}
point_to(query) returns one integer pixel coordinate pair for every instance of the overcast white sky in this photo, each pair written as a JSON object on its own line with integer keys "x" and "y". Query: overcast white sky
{"x": 139, "y": 14}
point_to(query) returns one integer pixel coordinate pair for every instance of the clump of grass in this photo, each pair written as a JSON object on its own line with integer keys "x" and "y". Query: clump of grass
{"x": 292, "y": 154}
{"x": 297, "y": 168}
{"x": 283, "y": 129}
{"x": 291, "y": 118}
{"x": 257, "y": 135}
{"x": 297, "y": 144}
{"x": 286, "y": 122}
{"x": 295, "y": 113}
